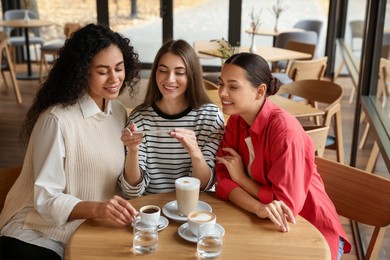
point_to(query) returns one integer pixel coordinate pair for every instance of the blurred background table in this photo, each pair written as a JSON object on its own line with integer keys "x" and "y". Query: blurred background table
{"x": 270, "y": 54}
{"x": 297, "y": 109}
{"x": 246, "y": 236}
{"x": 271, "y": 32}
{"x": 26, "y": 25}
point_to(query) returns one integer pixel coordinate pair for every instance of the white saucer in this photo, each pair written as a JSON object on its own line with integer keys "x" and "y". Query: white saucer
{"x": 162, "y": 223}
{"x": 170, "y": 210}
{"x": 186, "y": 233}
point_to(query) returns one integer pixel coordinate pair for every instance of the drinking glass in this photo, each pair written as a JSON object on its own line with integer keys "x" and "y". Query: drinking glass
{"x": 210, "y": 241}
{"x": 145, "y": 237}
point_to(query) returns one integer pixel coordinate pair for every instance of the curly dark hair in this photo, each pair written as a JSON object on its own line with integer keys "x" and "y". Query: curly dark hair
{"x": 196, "y": 92}
{"x": 68, "y": 79}
{"x": 258, "y": 71}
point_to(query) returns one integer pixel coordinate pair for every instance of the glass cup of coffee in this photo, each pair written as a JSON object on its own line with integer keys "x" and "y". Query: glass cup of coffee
{"x": 199, "y": 218}
{"x": 187, "y": 194}
{"x": 210, "y": 240}
{"x": 145, "y": 237}
{"x": 150, "y": 214}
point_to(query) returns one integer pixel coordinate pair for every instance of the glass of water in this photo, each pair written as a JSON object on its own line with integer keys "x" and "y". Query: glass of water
{"x": 210, "y": 240}
{"x": 145, "y": 237}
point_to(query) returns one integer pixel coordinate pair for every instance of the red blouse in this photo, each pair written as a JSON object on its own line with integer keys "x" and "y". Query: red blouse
{"x": 284, "y": 165}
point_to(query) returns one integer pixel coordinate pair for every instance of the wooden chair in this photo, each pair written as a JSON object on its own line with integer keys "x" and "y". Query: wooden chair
{"x": 53, "y": 48}
{"x": 359, "y": 196}
{"x": 4, "y": 52}
{"x": 199, "y": 45}
{"x": 308, "y": 69}
{"x": 382, "y": 95}
{"x": 19, "y": 40}
{"x": 210, "y": 85}
{"x": 325, "y": 95}
{"x": 357, "y": 27}
{"x": 310, "y": 25}
{"x": 7, "y": 178}
{"x": 212, "y": 92}
{"x": 319, "y": 135}
{"x": 304, "y": 69}
{"x": 297, "y": 41}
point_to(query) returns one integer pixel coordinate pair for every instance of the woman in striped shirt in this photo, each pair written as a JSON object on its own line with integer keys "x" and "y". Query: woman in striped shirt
{"x": 189, "y": 126}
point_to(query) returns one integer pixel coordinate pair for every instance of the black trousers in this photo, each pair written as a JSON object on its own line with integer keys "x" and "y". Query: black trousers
{"x": 12, "y": 248}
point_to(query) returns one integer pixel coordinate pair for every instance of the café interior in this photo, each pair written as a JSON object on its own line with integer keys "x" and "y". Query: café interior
{"x": 351, "y": 49}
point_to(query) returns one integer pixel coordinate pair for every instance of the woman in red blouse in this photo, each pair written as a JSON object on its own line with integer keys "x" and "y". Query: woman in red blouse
{"x": 266, "y": 160}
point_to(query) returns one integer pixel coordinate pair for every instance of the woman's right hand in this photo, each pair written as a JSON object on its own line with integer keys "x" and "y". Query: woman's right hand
{"x": 278, "y": 212}
{"x": 119, "y": 210}
{"x": 130, "y": 139}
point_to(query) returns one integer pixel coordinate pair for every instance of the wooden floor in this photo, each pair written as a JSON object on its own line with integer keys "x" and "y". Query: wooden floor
{"x": 12, "y": 151}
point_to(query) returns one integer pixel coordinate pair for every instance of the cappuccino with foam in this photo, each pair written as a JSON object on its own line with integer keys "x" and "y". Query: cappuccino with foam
{"x": 198, "y": 218}
{"x": 187, "y": 194}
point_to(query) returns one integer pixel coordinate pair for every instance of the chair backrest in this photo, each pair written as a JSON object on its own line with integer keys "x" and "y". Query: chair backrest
{"x": 308, "y": 69}
{"x": 209, "y": 85}
{"x": 7, "y": 178}
{"x": 19, "y": 14}
{"x": 317, "y": 91}
{"x": 305, "y": 37}
{"x": 70, "y": 28}
{"x": 302, "y": 47}
{"x": 386, "y": 45}
{"x": 360, "y": 196}
{"x": 357, "y": 27}
{"x": 283, "y": 40}
{"x": 310, "y": 25}
{"x": 212, "y": 92}
{"x": 319, "y": 135}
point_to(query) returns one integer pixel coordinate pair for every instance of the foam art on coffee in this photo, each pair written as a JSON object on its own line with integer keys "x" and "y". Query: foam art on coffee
{"x": 201, "y": 217}
{"x": 187, "y": 183}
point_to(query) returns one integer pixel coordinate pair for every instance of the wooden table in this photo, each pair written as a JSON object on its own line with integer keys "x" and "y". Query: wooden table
{"x": 26, "y": 24}
{"x": 272, "y": 32}
{"x": 246, "y": 237}
{"x": 297, "y": 109}
{"x": 270, "y": 54}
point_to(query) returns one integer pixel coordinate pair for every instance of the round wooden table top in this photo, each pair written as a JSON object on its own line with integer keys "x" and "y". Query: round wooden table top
{"x": 246, "y": 236}
{"x": 29, "y": 23}
{"x": 272, "y": 32}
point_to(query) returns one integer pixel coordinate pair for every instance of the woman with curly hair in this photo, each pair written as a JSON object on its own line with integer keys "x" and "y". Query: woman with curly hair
{"x": 75, "y": 154}
{"x": 176, "y": 101}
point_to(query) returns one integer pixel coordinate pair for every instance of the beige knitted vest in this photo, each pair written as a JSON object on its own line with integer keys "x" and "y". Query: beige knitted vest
{"x": 94, "y": 160}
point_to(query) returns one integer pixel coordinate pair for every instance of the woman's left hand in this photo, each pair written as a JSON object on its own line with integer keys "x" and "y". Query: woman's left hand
{"x": 187, "y": 139}
{"x": 278, "y": 212}
{"x": 233, "y": 163}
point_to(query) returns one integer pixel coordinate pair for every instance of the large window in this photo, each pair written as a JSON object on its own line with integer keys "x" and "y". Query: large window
{"x": 292, "y": 12}
{"x": 202, "y": 21}
{"x": 354, "y": 27}
{"x": 382, "y": 96}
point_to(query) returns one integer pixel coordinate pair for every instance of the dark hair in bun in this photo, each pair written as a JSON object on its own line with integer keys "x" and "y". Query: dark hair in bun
{"x": 258, "y": 71}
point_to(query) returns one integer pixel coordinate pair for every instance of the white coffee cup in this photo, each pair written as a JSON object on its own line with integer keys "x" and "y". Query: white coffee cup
{"x": 187, "y": 194}
{"x": 199, "y": 218}
{"x": 150, "y": 214}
